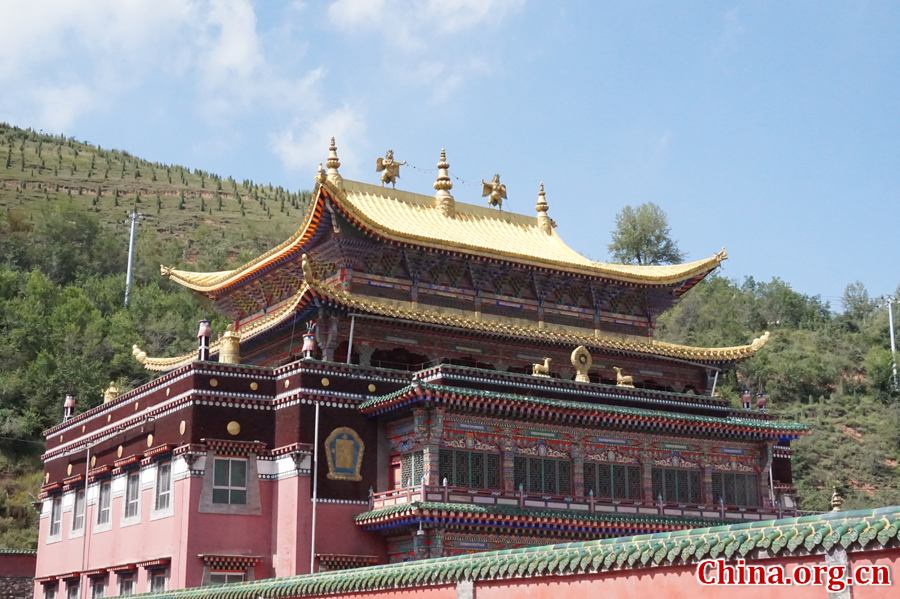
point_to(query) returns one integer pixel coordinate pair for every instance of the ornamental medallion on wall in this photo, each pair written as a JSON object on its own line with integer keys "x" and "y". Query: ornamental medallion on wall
{"x": 344, "y": 452}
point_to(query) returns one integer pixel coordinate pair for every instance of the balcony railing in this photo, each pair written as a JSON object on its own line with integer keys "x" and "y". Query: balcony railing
{"x": 585, "y": 505}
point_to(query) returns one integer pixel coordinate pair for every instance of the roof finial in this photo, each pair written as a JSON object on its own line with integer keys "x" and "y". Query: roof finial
{"x": 320, "y": 174}
{"x": 545, "y": 223}
{"x": 836, "y": 501}
{"x": 333, "y": 163}
{"x": 443, "y": 201}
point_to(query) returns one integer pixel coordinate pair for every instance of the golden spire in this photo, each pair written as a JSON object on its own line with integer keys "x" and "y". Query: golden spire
{"x": 333, "y": 163}
{"x": 545, "y": 223}
{"x": 443, "y": 201}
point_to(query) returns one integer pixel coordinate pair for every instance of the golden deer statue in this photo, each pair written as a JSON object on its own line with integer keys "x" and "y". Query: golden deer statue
{"x": 542, "y": 369}
{"x": 623, "y": 381}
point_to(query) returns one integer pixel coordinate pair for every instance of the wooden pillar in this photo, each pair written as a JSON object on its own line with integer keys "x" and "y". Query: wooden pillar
{"x": 706, "y": 473}
{"x": 646, "y": 461}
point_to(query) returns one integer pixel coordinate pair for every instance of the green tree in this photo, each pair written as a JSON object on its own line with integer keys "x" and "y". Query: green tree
{"x": 643, "y": 236}
{"x": 856, "y": 302}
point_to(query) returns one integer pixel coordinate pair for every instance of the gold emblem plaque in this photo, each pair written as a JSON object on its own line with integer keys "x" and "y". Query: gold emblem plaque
{"x": 344, "y": 452}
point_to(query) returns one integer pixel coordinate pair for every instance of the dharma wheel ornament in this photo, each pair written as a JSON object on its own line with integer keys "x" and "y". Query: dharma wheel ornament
{"x": 582, "y": 361}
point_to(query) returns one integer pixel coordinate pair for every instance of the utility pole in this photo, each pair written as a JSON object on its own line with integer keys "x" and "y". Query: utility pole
{"x": 889, "y": 302}
{"x": 135, "y": 216}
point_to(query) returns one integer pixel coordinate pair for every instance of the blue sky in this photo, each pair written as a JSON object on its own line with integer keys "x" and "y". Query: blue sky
{"x": 769, "y": 128}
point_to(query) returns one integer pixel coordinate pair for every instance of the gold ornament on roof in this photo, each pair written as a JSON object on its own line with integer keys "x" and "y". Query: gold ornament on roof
{"x": 582, "y": 361}
{"x": 110, "y": 393}
{"x": 320, "y": 174}
{"x": 307, "y": 268}
{"x": 443, "y": 201}
{"x": 140, "y": 356}
{"x": 494, "y": 191}
{"x": 390, "y": 170}
{"x": 623, "y": 380}
{"x": 542, "y": 369}
{"x": 333, "y": 163}
{"x": 230, "y": 346}
{"x": 836, "y": 500}
{"x": 545, "y": 223}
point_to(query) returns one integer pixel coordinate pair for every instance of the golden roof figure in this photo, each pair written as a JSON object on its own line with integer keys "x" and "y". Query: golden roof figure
{"x": 390, "y": 170}
{"x": 443, "y": 201}
{"x": 496, "y": 191}
{"x": 110, "y": 393}
{"x": 230, "y": 346}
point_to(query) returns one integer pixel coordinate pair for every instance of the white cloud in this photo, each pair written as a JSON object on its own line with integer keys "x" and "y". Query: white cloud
{"x": 415, "y": 22}
{"x": 305, "y": 144}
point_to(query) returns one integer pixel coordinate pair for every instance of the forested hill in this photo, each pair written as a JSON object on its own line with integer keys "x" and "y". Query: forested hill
{"x": 63, "y": 247}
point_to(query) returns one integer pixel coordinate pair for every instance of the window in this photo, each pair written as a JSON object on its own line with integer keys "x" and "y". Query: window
{"x": 469, "y": 469}
{"x": 50, "y": 590}
{"x": 163, "y": 486}
{"x": 98, "y": 588}
{"x": 412, "y": 468}
{"x": 612, "y": 481}
{"x": 226, "y": 576}
{"x": 230, "y": 481}
{"x": 735, "y": 489}
{"x": 133, "y": 495}
{"x": 158, "y": 580}
{"x": 126, "y": 583}
{"x": 78, "y": 513}
{"x": 56, "y": 516}
{"x": 72, "y": 589}
{"x": 103, "y": 504}
{"x": 676, "y": 486}
{"x": 541, "y": 475}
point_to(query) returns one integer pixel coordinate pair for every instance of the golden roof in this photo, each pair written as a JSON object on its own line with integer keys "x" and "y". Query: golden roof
{"x": 249, "y": 331}
{"x": 406, "y": 216}
{"x": 499, "y": 327}
{"x": 412, "y": 218}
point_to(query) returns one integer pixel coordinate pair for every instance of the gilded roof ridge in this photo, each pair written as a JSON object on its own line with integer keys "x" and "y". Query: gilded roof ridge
{"x": 248, "y": 332}
{"x": 653, "y": 347}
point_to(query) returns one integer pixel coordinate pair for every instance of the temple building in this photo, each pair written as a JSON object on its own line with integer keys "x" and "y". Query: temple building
{"x": 407, "y": 376}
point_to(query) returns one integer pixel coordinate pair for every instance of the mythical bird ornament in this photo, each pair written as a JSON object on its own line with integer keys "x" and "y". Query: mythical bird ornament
{"x": 390, "y": 170}
{"x": 496, "y": 191}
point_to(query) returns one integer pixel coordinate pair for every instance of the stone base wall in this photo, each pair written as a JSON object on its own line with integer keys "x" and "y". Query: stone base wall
{"x": 16, "y": 587}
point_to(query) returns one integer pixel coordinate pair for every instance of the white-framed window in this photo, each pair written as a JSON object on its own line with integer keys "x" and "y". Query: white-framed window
{"x": 126, "y": 583}
{"x": 133, "y": 495}
{"x": 73, "y": 589}
{"x": 104, "y": 503}
{"x": 159, "y": 579}
{"x": 50, "y": 589}
{"x": 226, "y": 576}
{"x": 98, "y": 587}
{"x": 55, "y": 516}
{"x": 230, "y": 481}
{"x": 78, "y": 511}
{"x": 163, "y": 486}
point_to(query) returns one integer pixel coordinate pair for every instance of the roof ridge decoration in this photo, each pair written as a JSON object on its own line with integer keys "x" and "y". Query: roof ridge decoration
{"x": 333, "y": 163}
{"x": 248, "y": 332}
{"x": 349, "y": 300}
{"x": 443, "y": 201}
{"x": 752, "y": 541}
{"x": 545, "y": 223}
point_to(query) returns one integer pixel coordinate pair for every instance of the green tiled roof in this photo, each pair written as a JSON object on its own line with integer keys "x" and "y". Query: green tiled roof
{"x": 11, "y": 551}
{"x": 689, "y": 419}
{"x": 855, "y": 531}
{"x": 508, "y": 510}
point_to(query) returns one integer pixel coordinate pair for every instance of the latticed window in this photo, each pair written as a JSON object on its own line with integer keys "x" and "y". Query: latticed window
{"x": 542, "y": 475}
{"x": 677, "y": 486}
{"x": 735, "y": 489}
{"x": 412, "y": 467}
{"x": 470, "y": 469}
{"x": 612, "y": 481}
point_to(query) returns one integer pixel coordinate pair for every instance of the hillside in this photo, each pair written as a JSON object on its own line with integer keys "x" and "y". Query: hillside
{"x": 63, "y": 326}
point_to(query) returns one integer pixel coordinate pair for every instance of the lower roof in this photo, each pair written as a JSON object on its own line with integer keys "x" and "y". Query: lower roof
{"x": 857, "y": 531}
